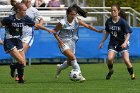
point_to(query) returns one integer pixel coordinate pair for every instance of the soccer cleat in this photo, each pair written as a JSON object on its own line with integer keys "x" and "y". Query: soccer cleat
{"x": 82, "y": 79}
{"x": 133, "y": 77}
{"x": 21, "y": 81}
{"x": 58, "y": 71}
{"x": 16, "y": 78}
{"x": 12, "y": 67}
{"x": 109, "y": 74}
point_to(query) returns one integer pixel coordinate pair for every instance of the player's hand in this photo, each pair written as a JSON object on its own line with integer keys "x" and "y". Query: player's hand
{"x": 124, "y": 45}
{"x": 101, "y": 31}
{"x": 100, "y": 45}
{"x": 24, "y": 64}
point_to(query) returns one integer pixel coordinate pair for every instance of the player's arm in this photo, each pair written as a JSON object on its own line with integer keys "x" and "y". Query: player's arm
{"x": 103, "y": 40}
{"x": 57, "y": 28}
{"x": 126, "y": 28}
{"x": 44, "y": 28}
{"x": 39, "y": 18}
{"x": 41, "y": 21}
{"x": 89, "y": 26}
{"x": 1, "y": 42}
{"x": 124, "y": 45}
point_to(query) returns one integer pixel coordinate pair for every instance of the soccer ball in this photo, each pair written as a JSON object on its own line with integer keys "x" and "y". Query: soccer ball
{"x": 75, "y": 75}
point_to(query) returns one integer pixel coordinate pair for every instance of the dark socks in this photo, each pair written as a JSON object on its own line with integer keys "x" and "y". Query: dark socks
{"x": 130, "y": 70}
{"x": 110, "y": 67}
{"x": 20, "y": 70}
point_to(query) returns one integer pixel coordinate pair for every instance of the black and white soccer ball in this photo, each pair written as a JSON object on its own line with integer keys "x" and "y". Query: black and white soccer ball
{"x": 75, "y": 75}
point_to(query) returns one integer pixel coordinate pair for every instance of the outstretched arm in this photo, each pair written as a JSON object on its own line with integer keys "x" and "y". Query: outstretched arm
{"x": 89, "y": 26}
{"x": 44, "y": 28}
{"x": 103, "y": 40}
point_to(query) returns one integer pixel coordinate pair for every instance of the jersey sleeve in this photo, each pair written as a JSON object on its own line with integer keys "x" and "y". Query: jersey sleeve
{"x": 5, "y": 21}
{"x": 126, "y": 27}
{"x": 62, "y": 22}
{"x": 29, "y": 21}
{"x": 37, "y": 15}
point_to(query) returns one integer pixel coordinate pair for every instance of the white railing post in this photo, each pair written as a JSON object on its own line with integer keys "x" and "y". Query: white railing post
{"x": 134, "y": 19}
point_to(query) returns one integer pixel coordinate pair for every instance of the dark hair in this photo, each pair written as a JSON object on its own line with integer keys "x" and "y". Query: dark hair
{"x": 18, "y": 6}
{"x": 76, "y": 8}
{"x": 121, "y": 13}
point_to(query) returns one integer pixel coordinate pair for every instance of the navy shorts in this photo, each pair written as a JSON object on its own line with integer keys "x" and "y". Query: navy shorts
{"x": 10, "y": 44}
{"x": 117, "y": 48}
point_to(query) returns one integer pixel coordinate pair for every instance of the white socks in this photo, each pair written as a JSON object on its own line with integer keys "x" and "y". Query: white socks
{"x": 75, "y": 65}
{"x": 64, "y": 65}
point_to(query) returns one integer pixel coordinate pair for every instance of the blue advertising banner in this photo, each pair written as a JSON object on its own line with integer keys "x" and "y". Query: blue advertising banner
{"x": 45, "y": 45}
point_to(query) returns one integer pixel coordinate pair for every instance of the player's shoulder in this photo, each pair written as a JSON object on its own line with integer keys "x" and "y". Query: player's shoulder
{"x": 122, "y": 19}
{"x": 10, "y": 17}
{"x": 27, "y": 17}
{"x": 109, "y": 19}
{"x": 62, "y": 21}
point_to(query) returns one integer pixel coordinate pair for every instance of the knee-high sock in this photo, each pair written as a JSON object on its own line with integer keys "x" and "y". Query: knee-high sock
{"x": 64, "y": 65}
{"x": 75, "y": 65}
{"x": 130, "y": 70}
{"x": 20, "y": 70}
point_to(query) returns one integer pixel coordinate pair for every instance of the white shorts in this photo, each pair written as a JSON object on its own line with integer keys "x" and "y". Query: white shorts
{"x": 28, "y": 40}
{"x": 70, "y": 44}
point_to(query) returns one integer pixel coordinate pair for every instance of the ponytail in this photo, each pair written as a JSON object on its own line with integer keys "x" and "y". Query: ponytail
{"x": 123, "y": 14}
{"x": 80, "y": 11}
{"x": 76, "y": 8}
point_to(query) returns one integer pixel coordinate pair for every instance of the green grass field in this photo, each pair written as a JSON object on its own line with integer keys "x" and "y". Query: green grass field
{"x": 40, "y": 79}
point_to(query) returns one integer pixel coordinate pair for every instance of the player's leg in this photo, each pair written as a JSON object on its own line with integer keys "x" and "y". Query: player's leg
{"x": 19, "y": 56}
{"x": 73, "y": 62}
{"x": 126, "y": 58}
{"x": 111, "y": 56}
{"x": 61, "y": 67}
{"x": 27, "y": 42}
{"x": 66, "y": 63}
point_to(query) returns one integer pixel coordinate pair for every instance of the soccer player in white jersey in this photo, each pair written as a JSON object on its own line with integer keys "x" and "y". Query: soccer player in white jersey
{"x": 28, "y": 34}
{"x": 68, "y": 35}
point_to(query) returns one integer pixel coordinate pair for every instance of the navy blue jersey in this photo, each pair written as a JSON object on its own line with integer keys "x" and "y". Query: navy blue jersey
{"x": 117, "y": 30}
{"x": 14, "y": 26}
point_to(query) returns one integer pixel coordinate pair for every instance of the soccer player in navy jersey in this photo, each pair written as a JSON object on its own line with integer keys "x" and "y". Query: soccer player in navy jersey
{"x": 28, "y": 32}
{"x": 119, "y": 32}
{"x": 13, "y": 31}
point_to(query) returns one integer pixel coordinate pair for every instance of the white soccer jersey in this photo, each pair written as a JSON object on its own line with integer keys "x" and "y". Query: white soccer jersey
{"x": 33, "y": 14}
{"x": 69, "y": 34}
{"x": 69, "y": 31}
{"x": 28, "y": 33}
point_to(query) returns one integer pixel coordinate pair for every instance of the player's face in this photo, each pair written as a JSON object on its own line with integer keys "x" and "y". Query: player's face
{"x": 114, "y": 11}
{"x": 72, "y": 15}
{"x": 23, "y": 11}
{"x": 28, "y": 3}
